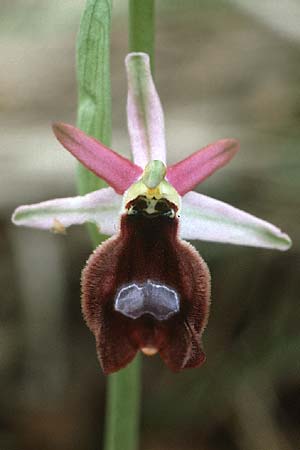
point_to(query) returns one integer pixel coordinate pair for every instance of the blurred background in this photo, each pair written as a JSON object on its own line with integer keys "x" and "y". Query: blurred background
{"x": 223, "y": 69}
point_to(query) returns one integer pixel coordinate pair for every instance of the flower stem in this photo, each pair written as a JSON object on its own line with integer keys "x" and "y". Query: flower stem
{"x": 123, "y": 408}
{"x": 141, "y": 27}
{"x": 123, "y": 401}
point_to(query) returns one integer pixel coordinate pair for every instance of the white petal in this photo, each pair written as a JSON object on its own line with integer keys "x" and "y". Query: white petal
{"x": 144, "y": 112}
{"x": 207, "y": 219}
{"x": 101, "y": 207}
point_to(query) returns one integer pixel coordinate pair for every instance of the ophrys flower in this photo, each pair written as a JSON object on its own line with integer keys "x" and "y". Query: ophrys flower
{"x": 145, "y": 288}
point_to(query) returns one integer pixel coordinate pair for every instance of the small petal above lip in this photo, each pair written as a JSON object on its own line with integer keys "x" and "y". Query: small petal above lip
{"x": 191, "y": 171}
{"x": 144, "y": 112}
{"x": 117, "y": 171}
{"x": 207, "y": 219}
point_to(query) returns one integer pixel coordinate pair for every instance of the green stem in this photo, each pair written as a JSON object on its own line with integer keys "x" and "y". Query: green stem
{"x": 123, "y": 400}
{"x": 123, "y": 408}
{"x": 141, "y": 27}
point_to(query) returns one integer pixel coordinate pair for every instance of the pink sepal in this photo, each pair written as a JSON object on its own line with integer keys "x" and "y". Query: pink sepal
{"x": 113, "y": 168}
{"x": 188, "y": 173}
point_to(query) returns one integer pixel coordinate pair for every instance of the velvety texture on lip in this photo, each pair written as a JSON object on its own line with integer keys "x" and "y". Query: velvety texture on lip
{"x": 146, "y": 249}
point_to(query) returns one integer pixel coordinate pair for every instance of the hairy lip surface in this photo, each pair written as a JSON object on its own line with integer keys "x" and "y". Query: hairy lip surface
{"x": 146, "y": 250}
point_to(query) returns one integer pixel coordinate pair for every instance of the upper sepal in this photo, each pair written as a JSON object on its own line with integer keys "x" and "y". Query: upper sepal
{"x": 144, "y": 112}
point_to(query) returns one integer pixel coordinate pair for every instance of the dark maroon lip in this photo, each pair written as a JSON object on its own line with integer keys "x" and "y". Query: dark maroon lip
{"x": 146, "y": 251}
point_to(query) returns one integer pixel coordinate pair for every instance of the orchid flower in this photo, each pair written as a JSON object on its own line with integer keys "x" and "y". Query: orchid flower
{"x": 145, "y": 288}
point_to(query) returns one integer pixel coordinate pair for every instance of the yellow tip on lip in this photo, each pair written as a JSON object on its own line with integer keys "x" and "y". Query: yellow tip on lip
{"x": 149, "y": 351}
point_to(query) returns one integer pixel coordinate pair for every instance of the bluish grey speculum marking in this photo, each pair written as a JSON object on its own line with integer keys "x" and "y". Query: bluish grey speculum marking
{"x": 134, "y": 300}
